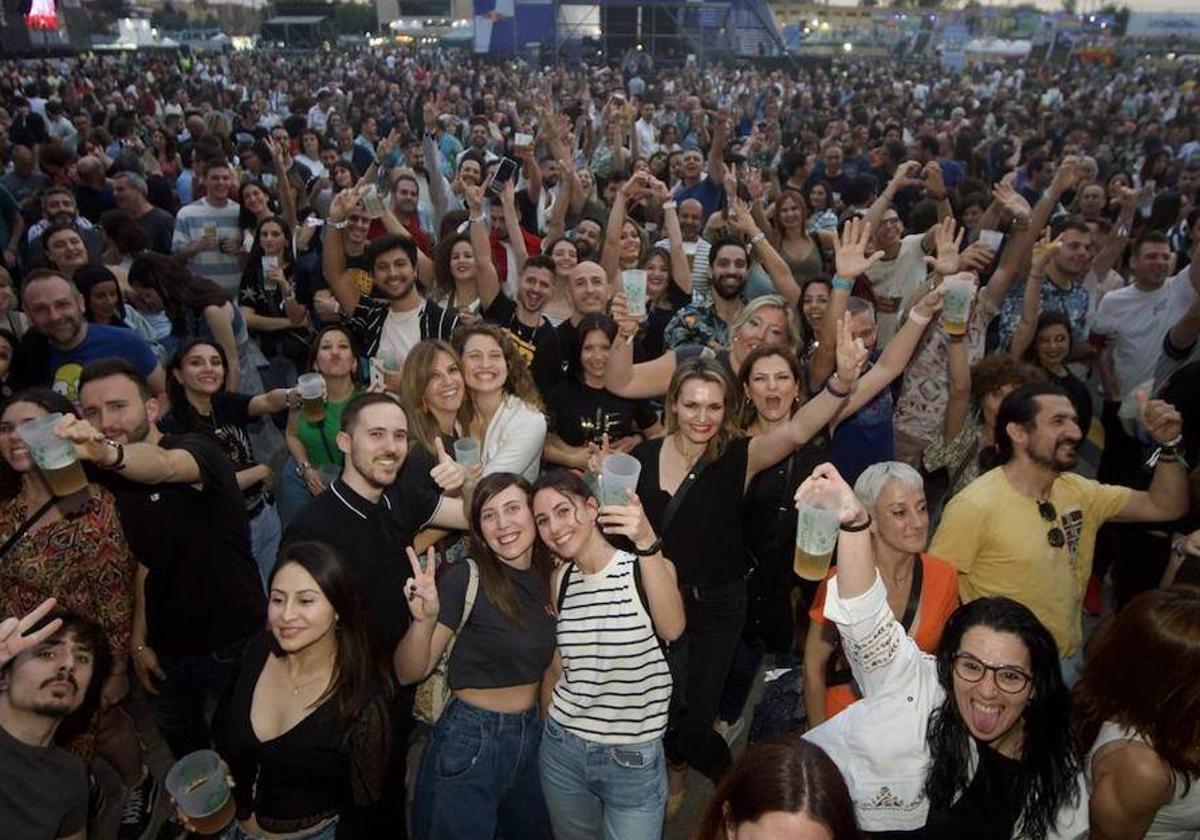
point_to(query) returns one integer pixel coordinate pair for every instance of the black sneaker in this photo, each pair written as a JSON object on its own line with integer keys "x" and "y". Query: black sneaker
{"x": 138, "y": 808}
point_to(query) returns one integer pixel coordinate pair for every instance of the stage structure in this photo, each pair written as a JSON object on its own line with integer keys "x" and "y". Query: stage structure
{"x": 668, "y": 31}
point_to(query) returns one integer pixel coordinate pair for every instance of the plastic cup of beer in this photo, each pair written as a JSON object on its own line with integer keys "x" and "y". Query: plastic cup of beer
{"x": 54, "y": 456}
{"x": 210, "y": 231}
{"x": 312, "y": 396}
{"x": 633, "y": 284}
{"x": 816, "y": 536}
{"x": 466, "y": 451}
{"x": 372, "y": 202}
{"x": 198, "y": 786}
{"x": 269, "y": 263}
{"x": 618, "y": 478}
{"x": 956, "y": 306}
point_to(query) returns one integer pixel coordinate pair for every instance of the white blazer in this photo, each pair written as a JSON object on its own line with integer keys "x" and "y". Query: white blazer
{"x": 513, "y": 440}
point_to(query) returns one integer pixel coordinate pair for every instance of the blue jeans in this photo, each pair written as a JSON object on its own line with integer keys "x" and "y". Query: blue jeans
{"x": 600, "y": 790}
{"x": 293, "y": 493}
{"x": 325, "y": 832}
{"x": 479, "y": 777}
{"x": 265, "y": 533}
{"x": 184, "y": 695}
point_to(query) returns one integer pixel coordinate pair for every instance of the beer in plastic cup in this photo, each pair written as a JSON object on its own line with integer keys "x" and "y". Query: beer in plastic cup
{"x": 956, "y": 306}
{"x": 54, "y": 456}
{"x": 633, "y": 283}
{"x": 312, "y": 396}
{"x": 372, "y": 202}
{"x": 466, "y": 451}
{"x": 198, "y": 786}
{"x": 816, "y": 536}
{"x": 618, "y": 477}
{"x": 267, "y": 264}
{"x": 211, "y": 231}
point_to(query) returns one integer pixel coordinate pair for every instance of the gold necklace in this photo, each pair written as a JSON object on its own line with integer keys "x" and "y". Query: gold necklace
{"x": 297, "y": 686}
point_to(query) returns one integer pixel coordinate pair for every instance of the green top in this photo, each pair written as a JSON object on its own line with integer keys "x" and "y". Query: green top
{"x": 320, "y": 439}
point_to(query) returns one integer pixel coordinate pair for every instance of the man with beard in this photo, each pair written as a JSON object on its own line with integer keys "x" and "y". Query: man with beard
{"x": 693, "y": 183}
{"x": 391, "y": 327}
{"x": 59, "y": 206}
{"x": 47, "y": 669}
{"x": 707, "y": 324}
{"x": 207, "y": 234}
{"x": 414, "y": 160}
{"x": 587, "y": 236}
{"x": 61, "y": 342}
{"x": 589, "y": 291}
{"x": 370, "y": 519}
{"x": 406, "y": 191}
{"x": 197, "y": 595}
{"x": 1027, "y": 529}
{"x": 521, "y": 316}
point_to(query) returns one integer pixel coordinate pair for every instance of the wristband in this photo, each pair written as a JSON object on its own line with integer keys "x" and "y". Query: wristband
{"x": 478, "y": 218}
{"x": 918, "y": 318}
{"x": 841, "y": 395}
{"x": 842, "y": 284}
{"x": 756, "y": 238}
{"x": 338, "y": 225}
{"x": 670, "y": 204}
{"x": 854, "y": 529}
{"x": 650, "y": 550}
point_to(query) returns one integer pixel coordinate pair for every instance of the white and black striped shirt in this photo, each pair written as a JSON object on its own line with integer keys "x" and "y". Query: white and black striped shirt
{"x": 616, "y": 686}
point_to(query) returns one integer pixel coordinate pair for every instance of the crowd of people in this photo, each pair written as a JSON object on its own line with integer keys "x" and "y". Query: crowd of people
{"x": 345, "y": 340}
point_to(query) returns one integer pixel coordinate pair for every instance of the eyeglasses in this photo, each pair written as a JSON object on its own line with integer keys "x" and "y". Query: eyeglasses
{"x": 1055, "y": 535}
{"x": 1009, "y": 679}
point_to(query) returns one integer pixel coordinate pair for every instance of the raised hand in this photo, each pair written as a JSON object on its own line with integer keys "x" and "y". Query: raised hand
{"x": 851, "y": 352}
{"x": 740, "y": 219}
{"x": 474, "y": 196}
{"x": 934, "y": 181}
{"x": 976, "y": 257}
{"x": 1011, "y": 200}
{"x": 827, "y": 483}
{"x": 447, "y": 474}
{"x": 628, "y": 520}
{"x": 1043, "y": 249}
{"x": 15, "y": 634}
{"x": 906, "y": 175}
{"x": 88, "y": 441}
{"x": 931, "y": 303}
{"x": 627, "y": 325}
{"x": 946, "y": 262}
{"x": 1159, "y": 418}
{"x": 421, "y": 589}
{"x": 850, "y": 256}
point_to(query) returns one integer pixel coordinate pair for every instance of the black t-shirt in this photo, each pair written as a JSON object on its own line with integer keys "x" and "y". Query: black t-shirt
{"x": 704, "y": 539}
{"x": 371, "y": 537}
{"x": 1182, "y": 390}
{"x": 226, "y": 426}
{"x": 556, "y": 358}
{"x": 1080, "y": 396}
{"x": 43, "y": 791}
{"x": 492, "y": 651}
{"x": 203, "y": 591}
{"x": 503, "y": 313}
{"x": 990, "y": 806}
{"x": 580, "y": 414}
{"x": 657, "y": 319}
{"x": 159, "y": 227}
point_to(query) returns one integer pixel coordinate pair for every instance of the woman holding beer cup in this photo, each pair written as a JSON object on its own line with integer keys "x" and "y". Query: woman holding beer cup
{"x": 311, "y": 431}
{"x": 62, "y": 538}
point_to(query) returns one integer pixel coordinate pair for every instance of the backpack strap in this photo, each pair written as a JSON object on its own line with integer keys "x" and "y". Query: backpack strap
{"x": 563, "y": 583}
{"x": 468, "y": 605}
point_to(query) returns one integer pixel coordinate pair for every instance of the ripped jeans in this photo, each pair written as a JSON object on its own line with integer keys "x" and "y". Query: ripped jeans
{"x": 609, "y": 791}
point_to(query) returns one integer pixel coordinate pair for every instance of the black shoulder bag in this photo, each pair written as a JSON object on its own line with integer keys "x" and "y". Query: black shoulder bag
{"x": 25, "y": 526}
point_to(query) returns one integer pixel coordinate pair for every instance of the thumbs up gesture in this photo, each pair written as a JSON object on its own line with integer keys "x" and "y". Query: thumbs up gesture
{"x": 448, "y": 474}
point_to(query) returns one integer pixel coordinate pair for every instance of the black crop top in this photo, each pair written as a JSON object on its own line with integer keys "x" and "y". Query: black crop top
{"x": 321, "y": 767}
{"x": 491, "y": 651}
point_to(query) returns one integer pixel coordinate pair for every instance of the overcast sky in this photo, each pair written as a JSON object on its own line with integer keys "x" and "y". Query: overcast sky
{"x": 1137, "y": 5}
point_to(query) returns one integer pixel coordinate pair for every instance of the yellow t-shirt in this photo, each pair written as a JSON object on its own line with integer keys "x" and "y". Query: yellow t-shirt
{"x": 999, "y": 543}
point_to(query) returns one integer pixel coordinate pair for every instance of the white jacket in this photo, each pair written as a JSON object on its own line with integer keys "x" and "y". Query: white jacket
{"x": 514, "y": 438}
{"x": 879, "y": 742}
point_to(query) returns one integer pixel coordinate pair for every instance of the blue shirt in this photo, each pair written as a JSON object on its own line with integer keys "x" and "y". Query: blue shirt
{"x": 708, "y": 192}
{"x": 865, "y": 437}
{"x": 101, "y": 342}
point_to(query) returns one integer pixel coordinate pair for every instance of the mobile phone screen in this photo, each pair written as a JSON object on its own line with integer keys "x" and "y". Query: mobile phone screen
{"x": 505, "y": 172}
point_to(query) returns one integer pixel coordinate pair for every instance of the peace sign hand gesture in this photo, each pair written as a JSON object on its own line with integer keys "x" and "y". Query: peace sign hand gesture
{"x": 14, "y": 638}
{"x": 421, "y": 590}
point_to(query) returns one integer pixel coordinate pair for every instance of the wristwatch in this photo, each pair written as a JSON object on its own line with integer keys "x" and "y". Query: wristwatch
{"x": 119, "y": 463}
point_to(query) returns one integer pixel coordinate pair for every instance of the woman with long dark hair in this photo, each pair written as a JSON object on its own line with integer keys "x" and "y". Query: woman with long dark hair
{"x": 306, "y": 728}
{"x": 582, "y": 412}
{"x": 103, "y": 303}
{"x": 200, "y": 403}
{"x": 603, "y": 768}
{"x": 975, "y": 742}
{"x": 1138, "y": 707}
{"x": 267, "y": 297}
{"x": 197, "y": 308}
{"x": 479, "y": 772}
{"x": 814, "y": 301}
{"x": 781, "y": 789}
